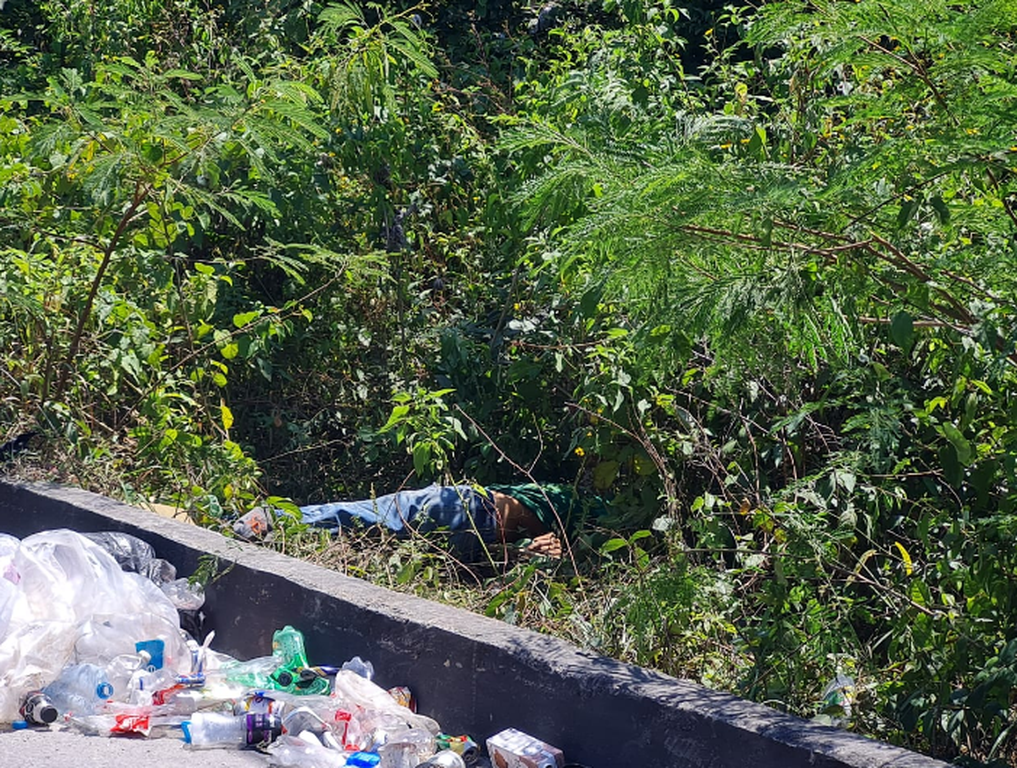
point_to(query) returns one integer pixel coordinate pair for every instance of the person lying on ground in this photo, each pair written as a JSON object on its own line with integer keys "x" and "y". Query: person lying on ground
{"x": 497, "y": 514}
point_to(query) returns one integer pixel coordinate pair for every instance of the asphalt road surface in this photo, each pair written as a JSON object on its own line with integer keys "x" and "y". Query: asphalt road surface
{"x": 56, "y": 747}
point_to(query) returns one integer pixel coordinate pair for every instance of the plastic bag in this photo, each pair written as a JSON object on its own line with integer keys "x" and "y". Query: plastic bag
{"x": 9, "y": 579}
{"x": 183, "y": 594}
{"x": 73, "y": 604}
{"x": 134, "y": 555}
{"x": 351, "y": 690}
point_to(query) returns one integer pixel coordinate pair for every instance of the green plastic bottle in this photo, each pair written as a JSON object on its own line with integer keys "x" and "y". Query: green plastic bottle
{"x": 288, "y": 648}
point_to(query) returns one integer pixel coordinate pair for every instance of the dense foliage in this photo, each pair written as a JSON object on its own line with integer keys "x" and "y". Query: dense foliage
{"x": 748, "y": 270}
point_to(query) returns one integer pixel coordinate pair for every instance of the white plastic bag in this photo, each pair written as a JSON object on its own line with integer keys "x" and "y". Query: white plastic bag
{"x": 73, "y": 603}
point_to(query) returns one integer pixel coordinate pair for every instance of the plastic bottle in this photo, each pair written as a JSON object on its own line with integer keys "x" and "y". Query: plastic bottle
{"x": 125, "y": 723}
{"x": 214, "y": 729}
{"x": 444, "y": 759}
{"x": 288, "y": 648}
{"x": 838, "y": 696}
{"x": 293, "y": 752}
{"x": 81, "y": 689}
{"x": 255, "y": 673}
{"x": 363, "y": 668}
{"x": 406, "y": 748}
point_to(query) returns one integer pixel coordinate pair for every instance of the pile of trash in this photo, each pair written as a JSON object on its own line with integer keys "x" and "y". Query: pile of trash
{"x": 91, "y": 637}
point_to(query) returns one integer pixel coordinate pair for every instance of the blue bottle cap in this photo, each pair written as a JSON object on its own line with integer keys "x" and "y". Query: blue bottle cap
{"x": 186, "y": 728}
{"x": 19, "y": 725}
{"x": 363, "y": 760}
{"x": 104, "y": 690}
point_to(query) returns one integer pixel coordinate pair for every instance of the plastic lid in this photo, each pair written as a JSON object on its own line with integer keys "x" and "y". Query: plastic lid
{"x": 19, "y": 725}
{"x": 186, "y": 728}
{"x": 104, "y": 690}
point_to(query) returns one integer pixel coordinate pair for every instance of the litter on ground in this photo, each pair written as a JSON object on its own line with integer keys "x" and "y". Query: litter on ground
{"x": 99, "y": 635}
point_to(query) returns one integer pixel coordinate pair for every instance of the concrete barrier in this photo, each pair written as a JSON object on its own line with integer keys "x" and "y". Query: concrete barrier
{"x": 474, "y": 675}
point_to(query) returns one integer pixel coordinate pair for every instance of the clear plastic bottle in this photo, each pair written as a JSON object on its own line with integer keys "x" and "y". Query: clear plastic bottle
{"x": 444, "y": 759}
{"x": 363, "y": 668}
{"x": 81, "y": 689}
{"x": 406, "y": 748}
{"x": 215, "y": 729}
{"x": 294, "y": 752}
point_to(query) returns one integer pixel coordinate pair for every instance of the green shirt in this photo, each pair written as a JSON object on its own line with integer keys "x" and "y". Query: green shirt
{"x": 558, "y": 507}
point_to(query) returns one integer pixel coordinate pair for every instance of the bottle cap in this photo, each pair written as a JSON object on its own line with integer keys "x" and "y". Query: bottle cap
{"x": 185, "y": 726}
{"x": 19, "y": 725}
{"x": 104, "y": 690}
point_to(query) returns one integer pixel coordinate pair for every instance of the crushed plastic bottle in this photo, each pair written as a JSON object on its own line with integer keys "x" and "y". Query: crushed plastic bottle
{"x": 406, "y": 748}
{"x": 81, "y": 689}
{"x": 294, "y": 752}
{"x": 837, "y": 698}
{"x": 254, "y": 673}
{"x": 139, "y": 723}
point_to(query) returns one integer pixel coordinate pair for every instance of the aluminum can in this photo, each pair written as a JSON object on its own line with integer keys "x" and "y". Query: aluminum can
{"x": 404, "y": 696}
{"x": 37, "y": 709}
{"x": 463, "y": 746}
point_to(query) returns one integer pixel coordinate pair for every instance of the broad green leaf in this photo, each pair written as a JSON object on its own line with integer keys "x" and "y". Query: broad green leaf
{"x": 612, "y": 544}
{"x": 959, "y": 442}
{"x": 421, "y": 458}
{"x": 243, "y": 318}
{"x": 399, "y": 413}
{"x": 902, "y": 330}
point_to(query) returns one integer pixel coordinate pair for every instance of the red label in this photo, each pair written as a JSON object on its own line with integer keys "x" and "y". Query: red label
{"x": 131, "y": 724}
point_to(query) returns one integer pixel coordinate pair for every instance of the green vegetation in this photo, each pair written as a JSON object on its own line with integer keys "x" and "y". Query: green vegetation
{"x": 751, "y": 270}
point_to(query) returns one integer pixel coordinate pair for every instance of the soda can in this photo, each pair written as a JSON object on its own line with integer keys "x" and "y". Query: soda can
{"x": 463, "y": 746}
{"x": 403, "y": 696}
{"x": 514, "y": 749}
{"x": 37, "y": 709}
{"x": 444, "y": 759}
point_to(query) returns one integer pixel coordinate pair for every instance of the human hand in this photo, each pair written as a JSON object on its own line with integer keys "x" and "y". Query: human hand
{"x": 546, "y": 545}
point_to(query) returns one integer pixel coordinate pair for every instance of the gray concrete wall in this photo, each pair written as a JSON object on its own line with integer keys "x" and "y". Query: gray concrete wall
{"x": 473, "y": 674}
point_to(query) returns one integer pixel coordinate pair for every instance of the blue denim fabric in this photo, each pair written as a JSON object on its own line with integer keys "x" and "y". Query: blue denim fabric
{"x": 459, "y": 509}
